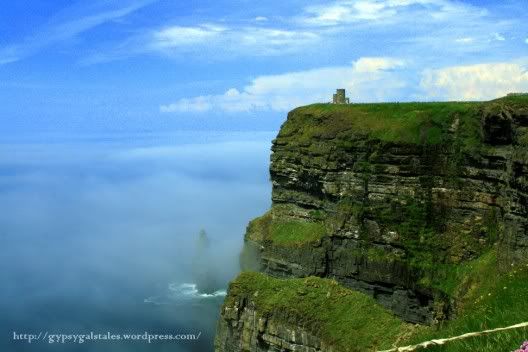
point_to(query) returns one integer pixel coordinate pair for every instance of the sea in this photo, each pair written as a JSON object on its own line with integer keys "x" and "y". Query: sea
{"x": 124, "y": 242}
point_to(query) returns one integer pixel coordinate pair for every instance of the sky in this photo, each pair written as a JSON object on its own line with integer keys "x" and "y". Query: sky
{"x": 158, "y": 65}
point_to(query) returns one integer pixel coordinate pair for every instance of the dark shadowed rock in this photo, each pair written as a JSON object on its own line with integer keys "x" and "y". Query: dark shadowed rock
{"x": 497, "y": 123}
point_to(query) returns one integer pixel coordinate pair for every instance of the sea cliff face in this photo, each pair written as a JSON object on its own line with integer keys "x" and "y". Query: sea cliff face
{"x": 388, "y": 200}
{"x": 242, "y": 328}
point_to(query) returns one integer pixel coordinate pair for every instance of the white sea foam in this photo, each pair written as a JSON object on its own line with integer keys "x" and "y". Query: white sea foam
{"x": 154, "y": 300}
{"x": 179, "y": 292}
{"x": 191, "y": 290}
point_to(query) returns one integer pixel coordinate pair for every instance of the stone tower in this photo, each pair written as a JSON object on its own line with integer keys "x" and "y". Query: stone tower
{"x": 340, "y": 97}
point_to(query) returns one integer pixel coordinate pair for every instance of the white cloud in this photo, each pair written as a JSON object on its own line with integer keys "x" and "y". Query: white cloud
{"x": 229, "y": 40}
{"x": 320, "y": 28}
{"x": 367, "y": 79}
{"x": 526, "y": 40}
{"x": 231, "y": 101}
{"x": 198, "y": 104}
{"x": 271, "y": 40}
{"x": 345, "y": 12}
{"x": 176, "y": 36}
{"x": 210, "y": 41}
{"x": 480, "y": 40}
{"x": 465, "y": 40}
{"x": 374, "y": 64}
{"x": 499, "y": 37}
{"x": 350, "y": 11}
{"x": 475, "y": 82}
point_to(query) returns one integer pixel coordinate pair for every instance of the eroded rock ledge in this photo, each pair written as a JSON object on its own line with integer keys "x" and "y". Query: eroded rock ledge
{"x": 263, "y": 314}
{"x": 243, "y": 329}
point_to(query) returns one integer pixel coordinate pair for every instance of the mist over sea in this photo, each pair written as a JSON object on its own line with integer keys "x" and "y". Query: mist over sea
{"x": 100, "y": 233}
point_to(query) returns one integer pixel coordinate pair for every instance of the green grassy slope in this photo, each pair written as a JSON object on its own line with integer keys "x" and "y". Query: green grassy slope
{"x": 351, "y": 321}
{"x": 348, "y": 320}
{"x": 490, "y": 298}
{"x": 285, "y": 232}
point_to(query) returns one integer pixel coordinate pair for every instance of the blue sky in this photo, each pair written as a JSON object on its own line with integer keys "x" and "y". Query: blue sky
{"x": 163, "y": 65}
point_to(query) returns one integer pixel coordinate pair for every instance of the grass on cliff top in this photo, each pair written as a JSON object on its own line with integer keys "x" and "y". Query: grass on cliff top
{"x": 416, "y": 123}
{"x": 515, "y": 100}
{"x": 285, "y": 232}
{"x": 345, "y": 319}
{"x": 423, "y": 123}
{"x": 490, "y": 297}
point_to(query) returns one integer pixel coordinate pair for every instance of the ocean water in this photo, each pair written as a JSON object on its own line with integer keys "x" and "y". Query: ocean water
{"x": 100, "y": 236}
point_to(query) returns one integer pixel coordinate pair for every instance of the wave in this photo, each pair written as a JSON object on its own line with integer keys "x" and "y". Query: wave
{"x": 191, "y": 290}
{"x": 182, "y": 293}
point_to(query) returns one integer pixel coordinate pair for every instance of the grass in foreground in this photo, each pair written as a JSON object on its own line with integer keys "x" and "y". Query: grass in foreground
{"x": 348, "y": 320}
{"x": 490, "y": 298}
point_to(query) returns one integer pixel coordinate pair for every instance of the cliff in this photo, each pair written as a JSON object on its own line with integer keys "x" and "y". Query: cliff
{"x": 395, "y": 202}
{"x": 259, "y": 316}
